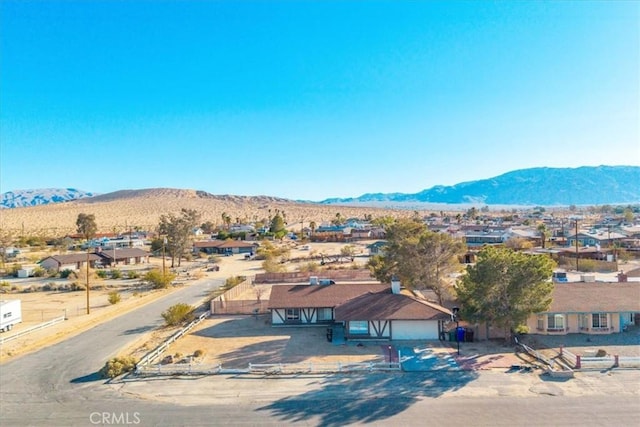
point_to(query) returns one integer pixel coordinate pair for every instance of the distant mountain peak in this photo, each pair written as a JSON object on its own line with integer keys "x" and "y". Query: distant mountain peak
{"x": 42, "y": 196}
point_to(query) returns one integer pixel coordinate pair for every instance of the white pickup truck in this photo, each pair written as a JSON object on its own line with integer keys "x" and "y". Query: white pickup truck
{"x": 10, "y": 314}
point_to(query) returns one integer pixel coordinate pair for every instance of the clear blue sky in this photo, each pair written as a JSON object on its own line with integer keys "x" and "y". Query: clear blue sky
{"x": 312, "y": 99}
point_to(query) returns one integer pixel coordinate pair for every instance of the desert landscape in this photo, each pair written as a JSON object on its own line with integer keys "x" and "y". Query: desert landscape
{"x": 141, "y": 209}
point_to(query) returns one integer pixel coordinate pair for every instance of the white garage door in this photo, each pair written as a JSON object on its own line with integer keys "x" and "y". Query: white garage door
{"x": 414, "y": 330}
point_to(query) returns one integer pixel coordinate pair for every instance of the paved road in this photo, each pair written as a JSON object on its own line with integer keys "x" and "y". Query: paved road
{"x": 61, "y": 373}
{"x": 58, "y": 386}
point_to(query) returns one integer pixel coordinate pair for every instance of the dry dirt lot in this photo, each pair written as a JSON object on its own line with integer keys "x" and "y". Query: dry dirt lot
{"x": 236, "y": 341}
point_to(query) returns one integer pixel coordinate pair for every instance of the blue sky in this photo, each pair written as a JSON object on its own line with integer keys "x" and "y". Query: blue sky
{"x": 312, "y": 99}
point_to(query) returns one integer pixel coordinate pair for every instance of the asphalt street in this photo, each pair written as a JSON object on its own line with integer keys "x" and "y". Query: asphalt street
{"x": 59, "y": 386}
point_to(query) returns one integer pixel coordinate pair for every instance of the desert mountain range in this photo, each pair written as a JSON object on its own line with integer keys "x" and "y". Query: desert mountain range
{"x": 41, "y": 211}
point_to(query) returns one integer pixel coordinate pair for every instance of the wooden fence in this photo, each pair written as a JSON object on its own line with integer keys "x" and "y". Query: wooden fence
{"x": 219, "y": 306}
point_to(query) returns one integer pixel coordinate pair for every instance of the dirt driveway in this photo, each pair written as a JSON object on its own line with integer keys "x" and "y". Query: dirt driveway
{"x": 236, "y": 341}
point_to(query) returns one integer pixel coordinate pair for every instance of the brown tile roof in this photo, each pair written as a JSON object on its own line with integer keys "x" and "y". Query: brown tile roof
{"x": 319, "y": 296}
{"x": 580, "y": 297}
{"x": 123, "y": 253}
{"x": 72, "y": 258}
{"x": 388, "y": 306}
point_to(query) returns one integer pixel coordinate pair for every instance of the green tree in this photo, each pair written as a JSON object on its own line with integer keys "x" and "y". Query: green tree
{"x": 505, "y": 287}
{"x": 628, "y": 214}
{"x": 383, "y": 221}
{"x": 178, "y": 231}
{"x": 313, "y": 226}
{"x": 6, "y": 238}
{"x": 86, "y": 225}
{"x": 226, "y": 220}
{"x": 277, "y": 226}
{"x": 207, "y": 227}
{"x": 421, "y": 259}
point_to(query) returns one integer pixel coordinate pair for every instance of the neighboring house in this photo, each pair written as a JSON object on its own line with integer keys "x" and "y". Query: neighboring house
{"x": 330, "y": 228}
{"x": 225, "y": 246}
{"x": 126, "y": 256}
{"x": 367, "y": 311}
{"x": 377, "y": 248}
{"x": 589, "y": 308}
{"x": 481, "y": 237}
{"x": 586, "y": 253}
{"x": 360, "y": 233}
{"x": 69, "y": 262}
{"x": 599, "y": 238}
{"x": 527, "y": 233}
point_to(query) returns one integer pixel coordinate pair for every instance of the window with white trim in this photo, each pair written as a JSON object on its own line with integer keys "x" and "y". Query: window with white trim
{"x": 599, "y": 320}
{"x": 293, "y": 314}
{"x": 359, "y": 327}
{"x": 555, "y": 322}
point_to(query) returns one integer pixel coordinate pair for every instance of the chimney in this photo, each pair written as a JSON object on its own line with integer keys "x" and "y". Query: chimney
{"x": 395, "y": 285}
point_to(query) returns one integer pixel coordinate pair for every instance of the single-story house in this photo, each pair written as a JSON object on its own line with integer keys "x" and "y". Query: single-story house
{"x": 367, "y": 311}
{"x": 480, "y": 237}
{"x": 126, "y": 256}
{"x": 225, "y": 246}
{"x": 589, "y": 308}
{"x": 600, "y": 237}
{"x": 69, "y": 262}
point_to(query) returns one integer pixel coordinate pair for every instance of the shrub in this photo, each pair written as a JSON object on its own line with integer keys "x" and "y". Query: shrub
{"x": 114, "y": 297}
{"x": 118, "y": 366}
{"x": 159, "y": 280}
{"x": 521, "y": 329}
{"x": 309, "y": 267}
{"x": 39, "y": 272}
{"x": 101, "y": 274}
{"x": 64, "y": 274}
{"x": 116, "y": 274}
{"x": 177, "y": 314}
{"x": 133, "y": 274}
{"x": 51, "y": 286}
{"x": 198, "y": 353}
{"x": 75, "y": 286}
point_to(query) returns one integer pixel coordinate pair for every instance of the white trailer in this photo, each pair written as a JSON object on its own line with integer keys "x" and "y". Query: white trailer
{"x": 10, "y": 314}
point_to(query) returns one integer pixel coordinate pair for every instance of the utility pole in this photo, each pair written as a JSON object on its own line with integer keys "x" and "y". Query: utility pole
{"x": 164, "y": 243}
{"x": 577, "y": 252}
{"x": 87, "y": 284}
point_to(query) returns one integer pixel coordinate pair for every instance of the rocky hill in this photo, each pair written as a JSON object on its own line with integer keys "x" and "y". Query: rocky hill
{"x": 586, "y": 185}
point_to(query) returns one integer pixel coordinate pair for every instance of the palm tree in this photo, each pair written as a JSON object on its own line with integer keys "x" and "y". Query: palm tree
{"x": 544, "y": 233}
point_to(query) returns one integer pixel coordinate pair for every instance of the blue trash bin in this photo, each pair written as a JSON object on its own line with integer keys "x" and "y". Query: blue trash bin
{"x": 460, "y": 333}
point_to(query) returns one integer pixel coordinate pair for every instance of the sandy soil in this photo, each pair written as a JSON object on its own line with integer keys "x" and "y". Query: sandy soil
{"x": 143, "y": 209}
